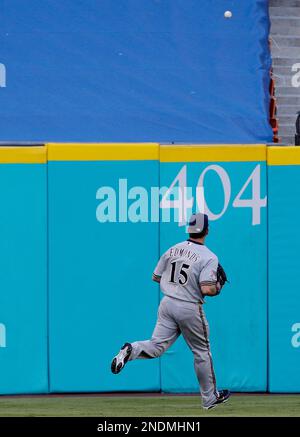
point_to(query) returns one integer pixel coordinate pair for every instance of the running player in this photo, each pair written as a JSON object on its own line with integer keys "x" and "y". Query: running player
{"x": 187, "y": 272}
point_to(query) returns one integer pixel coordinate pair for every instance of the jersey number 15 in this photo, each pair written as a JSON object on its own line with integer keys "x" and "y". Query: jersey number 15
{"x": 182, "y": 276}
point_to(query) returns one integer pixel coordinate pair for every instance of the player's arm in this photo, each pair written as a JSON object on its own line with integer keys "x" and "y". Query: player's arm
{"x": 156, "y": 278}
{"x": 160, "y": 268}
{"x": 208, "y": 278}
{"x": 210, "y": 290}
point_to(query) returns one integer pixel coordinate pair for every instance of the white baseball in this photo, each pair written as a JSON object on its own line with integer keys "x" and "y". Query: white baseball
{"x": 228, "y": 14}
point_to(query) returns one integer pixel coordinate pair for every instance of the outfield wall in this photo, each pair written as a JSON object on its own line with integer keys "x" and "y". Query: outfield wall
{"x": 100, "y": 289}
{"x": 283, "y": 249}
{"x": 74, "y": 288}
{"x": 23, "y": 271}
{"x": 238, "y": 316}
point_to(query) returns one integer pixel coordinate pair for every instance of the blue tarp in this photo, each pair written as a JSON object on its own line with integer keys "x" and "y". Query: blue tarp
{"x": 135, "y": 70}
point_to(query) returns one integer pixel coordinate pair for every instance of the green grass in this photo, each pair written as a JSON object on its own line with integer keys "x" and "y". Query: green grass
{"x": 135, "y": 406}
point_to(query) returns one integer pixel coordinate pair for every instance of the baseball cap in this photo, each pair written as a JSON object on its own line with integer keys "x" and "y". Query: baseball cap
{"x": 198, "y": 223}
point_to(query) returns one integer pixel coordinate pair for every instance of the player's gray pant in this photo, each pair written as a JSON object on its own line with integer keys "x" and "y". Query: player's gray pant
{"x": 177, "y": 317}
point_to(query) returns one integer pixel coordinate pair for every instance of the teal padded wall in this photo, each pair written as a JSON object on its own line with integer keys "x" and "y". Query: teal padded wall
{"x": 100, "y": 287}
{"x": 23, "y": 278}
{"x": 284, "y": 291}
{"x": 238, "y": 317}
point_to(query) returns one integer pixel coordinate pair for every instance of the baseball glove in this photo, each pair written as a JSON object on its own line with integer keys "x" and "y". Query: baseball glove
{"x": 221, "y": 277}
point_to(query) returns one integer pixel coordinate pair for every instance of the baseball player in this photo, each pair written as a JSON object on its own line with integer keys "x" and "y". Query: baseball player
{"x": 187, "y": 272}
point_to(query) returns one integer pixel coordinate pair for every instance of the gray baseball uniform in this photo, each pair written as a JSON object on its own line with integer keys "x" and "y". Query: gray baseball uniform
{"x": 182, "y": 270}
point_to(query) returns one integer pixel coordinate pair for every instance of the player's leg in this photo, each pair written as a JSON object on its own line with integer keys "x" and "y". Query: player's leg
{"x": 164, "y": 335}
{"x": 121, "y": 358}
{"x": 194, "y": 328}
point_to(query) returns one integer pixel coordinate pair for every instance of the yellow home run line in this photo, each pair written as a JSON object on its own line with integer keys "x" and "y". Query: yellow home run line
{"x": 287, "y": 155}
{"x": 103, "y": 151}
{"x": 23, "y": 155}
{"x": 213, "y": 153}
{"x": 153, "y": 151}
{"x": 275, "y": 155}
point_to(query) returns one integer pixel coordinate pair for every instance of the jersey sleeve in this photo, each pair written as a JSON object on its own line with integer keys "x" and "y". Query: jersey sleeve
{"x": 208, "y": 275}
{"x": 161, "y": 266}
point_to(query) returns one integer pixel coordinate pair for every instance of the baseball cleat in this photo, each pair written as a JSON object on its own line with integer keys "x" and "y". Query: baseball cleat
{"x": 121, "y": 359}
{"x": 223, "y": 397}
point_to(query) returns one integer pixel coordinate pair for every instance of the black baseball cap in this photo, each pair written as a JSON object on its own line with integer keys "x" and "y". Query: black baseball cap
{"x": 198, "y": 223}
